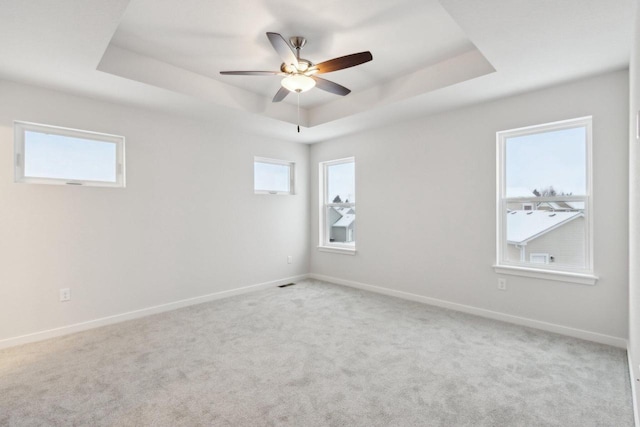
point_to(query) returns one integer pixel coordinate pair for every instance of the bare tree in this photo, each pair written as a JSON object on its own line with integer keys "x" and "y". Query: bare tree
{"x": 549, "y": 192}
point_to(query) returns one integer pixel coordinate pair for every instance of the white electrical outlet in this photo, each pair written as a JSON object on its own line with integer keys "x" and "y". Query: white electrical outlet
{"x": 502, "y": 284}
{"x": 289, "y": 259}
{"x": 65, "y": 294}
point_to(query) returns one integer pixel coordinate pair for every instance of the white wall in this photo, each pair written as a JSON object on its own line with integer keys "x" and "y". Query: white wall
{"x": 426, "y": 194}
{"x": 634, "y": 206}
{"x": 187, "y": 225}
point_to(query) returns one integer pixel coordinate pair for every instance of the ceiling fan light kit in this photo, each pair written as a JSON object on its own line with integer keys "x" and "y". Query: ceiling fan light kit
{"x": 298, "y": 83}
{"x": 300, "y": 74}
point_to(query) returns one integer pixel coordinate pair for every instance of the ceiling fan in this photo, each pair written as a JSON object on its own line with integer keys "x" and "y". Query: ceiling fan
{"x": 300, "y": 74}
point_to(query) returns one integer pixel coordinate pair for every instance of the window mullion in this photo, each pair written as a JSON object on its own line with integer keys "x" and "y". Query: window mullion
{"x": 340, "y": 205}
{"x": 580, "y": 198}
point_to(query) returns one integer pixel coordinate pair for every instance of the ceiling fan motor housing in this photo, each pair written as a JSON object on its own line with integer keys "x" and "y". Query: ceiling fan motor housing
{"x": 303, "y": 65}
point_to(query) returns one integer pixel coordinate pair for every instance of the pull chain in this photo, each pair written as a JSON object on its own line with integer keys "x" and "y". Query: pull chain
{"x": 298, "y": 112}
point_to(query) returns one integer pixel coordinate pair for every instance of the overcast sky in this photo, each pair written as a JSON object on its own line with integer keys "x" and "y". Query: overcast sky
{"x": 342, "y": 182}
{"x": 271, "y": 177}
{"x": 556, "y": 158}
{"x": 63, "y": 157}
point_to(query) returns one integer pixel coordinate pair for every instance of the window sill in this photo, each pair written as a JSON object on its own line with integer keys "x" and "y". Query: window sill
{"x": 274, "y": 193}
{"x": 337, "y": 250}
{"x": 560, "y": 276}
{"x": 69, "y": 182}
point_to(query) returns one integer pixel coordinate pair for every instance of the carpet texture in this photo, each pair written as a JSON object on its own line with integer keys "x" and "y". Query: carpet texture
{"x": 314, "y": 354}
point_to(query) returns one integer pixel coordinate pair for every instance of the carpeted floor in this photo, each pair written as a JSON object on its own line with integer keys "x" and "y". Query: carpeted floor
{"x": 314, "y": 354}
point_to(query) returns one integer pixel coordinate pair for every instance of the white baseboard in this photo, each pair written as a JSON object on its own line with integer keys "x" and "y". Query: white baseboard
{"x": 537, "y": 324}
{"x": 117, "y": 318}
{"x": 95, "y": 323}
{"x": 634, "y": 390}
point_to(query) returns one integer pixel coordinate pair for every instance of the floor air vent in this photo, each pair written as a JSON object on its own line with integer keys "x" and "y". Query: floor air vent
{"x": 288, "y": 284}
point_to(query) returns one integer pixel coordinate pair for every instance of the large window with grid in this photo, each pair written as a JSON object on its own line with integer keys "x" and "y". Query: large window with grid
{"x": 544, "y": 201}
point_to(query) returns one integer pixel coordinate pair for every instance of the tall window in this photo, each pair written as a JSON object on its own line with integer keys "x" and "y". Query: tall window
{"x": 544, "y": 199}
{"x": 55, "y": 155}
{"x": 338, "y": 205}
{"x": 272, "y": 176}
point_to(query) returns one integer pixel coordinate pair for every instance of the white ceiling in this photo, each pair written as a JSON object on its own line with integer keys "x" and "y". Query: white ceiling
{"x": 205, "y": 37}
{"x": 429, "y": 55}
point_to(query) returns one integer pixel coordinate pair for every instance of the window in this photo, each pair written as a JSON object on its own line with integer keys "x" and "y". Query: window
{"x": 272, "y": 176}
{"x": 338, "y": 206}
{"x": 544, "y": 201}
{"x": 55, "y": 155}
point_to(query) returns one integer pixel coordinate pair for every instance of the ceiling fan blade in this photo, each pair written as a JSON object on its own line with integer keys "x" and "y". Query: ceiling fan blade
{"x": 344, "y": 62}
{"x": 281, "y": 94}
{"x": 283, "y": 49}
{"x": 252, "y": 73}
{"x": 330, "y": 86}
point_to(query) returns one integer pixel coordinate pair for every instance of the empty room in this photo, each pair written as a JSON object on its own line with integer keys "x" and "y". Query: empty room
{"x": 348, "y": 213}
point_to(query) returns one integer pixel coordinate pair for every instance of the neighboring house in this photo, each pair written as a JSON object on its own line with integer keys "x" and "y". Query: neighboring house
{"x": 533, "y": 205}
{"x": 521, "y": 192}
{"x": 561, "y": 206}
{"x": 342, "y": 222}
{"x": 545, "y": 236}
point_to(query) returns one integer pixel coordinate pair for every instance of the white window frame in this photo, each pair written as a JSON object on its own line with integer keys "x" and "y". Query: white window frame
{"x": 545, "y": 256}
{"x": 324, "y": 228}
{"x": 544, "y": 271}
{"x": 291, "y": 166}
{"x": 21, "y": 127}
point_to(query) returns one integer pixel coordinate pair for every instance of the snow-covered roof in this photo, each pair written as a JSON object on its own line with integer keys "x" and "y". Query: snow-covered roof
{"x": 556, "y": 206}
{"x": 559, "y": 206}
{"x": 576, "y": 205}
{"x": 345, "y": 221}
{"x": 344, "y": 211}
{"x": 519, "y": 192}
{"x": 523, "y": 226}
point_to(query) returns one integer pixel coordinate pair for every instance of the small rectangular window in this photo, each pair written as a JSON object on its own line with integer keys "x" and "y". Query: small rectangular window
{"x": 273, "y": 176}
{"x": 338, "y": 209}
{"x": 544, "y": 197}
{"x": 55, "y": 155}
{"x": 539, "y": 258}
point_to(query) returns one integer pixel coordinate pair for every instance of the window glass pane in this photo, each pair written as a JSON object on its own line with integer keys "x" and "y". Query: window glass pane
{"x": 342, "y": 225}
{"x": 547, "y": 163}
{"x": 65, "y": 157}
{"x": 552, "y": 233}
{"x": 272, "y": 177}
{"x": 341, "y": 183}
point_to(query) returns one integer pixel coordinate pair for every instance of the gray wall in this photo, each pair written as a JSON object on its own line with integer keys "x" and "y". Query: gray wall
{"x": 187, "y": 225}
{"x": 634, "y": 208}
{"x": 440, "y": 172}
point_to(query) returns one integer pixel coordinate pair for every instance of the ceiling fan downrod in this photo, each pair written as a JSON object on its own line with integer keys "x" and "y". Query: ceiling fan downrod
{"x": 298, "y": 42}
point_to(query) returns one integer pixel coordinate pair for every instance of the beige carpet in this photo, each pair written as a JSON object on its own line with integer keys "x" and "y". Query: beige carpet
{"x": 314, "y": 354}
